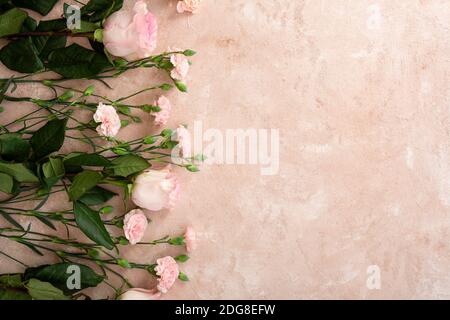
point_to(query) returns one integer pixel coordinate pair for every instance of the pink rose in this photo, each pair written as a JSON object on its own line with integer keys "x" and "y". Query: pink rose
{"x": 167, "y": 270}
{"x": 180, "y": 66}
{"x": 134, "y": 225}
{"x": 163, "y": 115}
{"x": 156, "y": 189}
{"x": 184, "y": 141}
{"x": 131, "y": 34}
{"x": 109, "y": 120}
{"x": 188, "y": 5}
{"x": 141, "y": 294}
{"x": 190, "y": 239}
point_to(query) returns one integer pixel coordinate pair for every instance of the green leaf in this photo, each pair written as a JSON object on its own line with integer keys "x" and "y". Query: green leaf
{"x": 96, "y": 196}
{"x": 178, "y": 241}
{"x": 11, "y": 280}
{"x": 46, "y": 44}
{"x": 40, "y": 290}
{"x": 11, "y": 21}
{"x": 77, "y": 62}
{"x": 13, "y": 294}
{"x": 101, "y": 9}
{"x": 183, "y": 277}
{"x": 52, "y": 25}
{"x": 84, "y": 159}
{"x": 18, "y": 171}
{"x": 107, "y": 210}
{"x": 29, "y": 25}
{"x": 14, "y": 147}
{"x": 182, "y": 258}
{"x": 192, "y": 168}
{"x": 127, "y": 165}
{"x": 32, "y": 248}
{"x": 53, "y": 168}
{"x": 124, "y": 263}
{"x": 6, "y": 183}
{"x": 150, "y": 140}
{"x": 41, "y": 6}
{"x": 49, "y": 138}
{"x": 82, "y": 183}
{"x": 53, "y": 171}
{"x": 189, "y": 53}
{"x": 21, "y": 55}
{"x": 181, "y": 86}
{"x": 11, "y": 220}
{"x": 92, "y": 226}
{"x": 46, "y": 221}
{"x": 58, "y": 274}
{"x": 124, "y": 110}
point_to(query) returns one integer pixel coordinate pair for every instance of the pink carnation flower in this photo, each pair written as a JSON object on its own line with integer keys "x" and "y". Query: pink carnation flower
{"x": 163, "y": 115}
{"x": 181, "y": 66}
{"x": 134, "y": 226}
{"x": 167, "y": 270}
{"x": 188, "y": 6}
{"x": 109, "y": 120}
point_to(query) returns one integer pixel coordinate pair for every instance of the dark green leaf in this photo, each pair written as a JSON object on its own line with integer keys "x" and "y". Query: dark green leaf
{"x": 101, "y": 9}
{"x": 49, "y": 138}
{"x": 83, "y": 159}
{"x": 14, "y": 147}
{"x": 41, "y": 6}
{"x": 13, "y": 294}
{"x": 57, "y": 275}
{"x": 33, "y": 248}
{"x": 18, "y": 171}
{"x": 96, "y": 196}
{"x": 11, "y": 21}
{"x": 127, "y": 165}
{"x": 11, "y": 220}
{"x": 6, "y": 183}
{"x": 29, "y": 25}
{"x": 76, "y": 62}
{"x": 46, "y": 44}
{"x": 46, "y": 221}
{"x": 52, "y": 25}
{"x": 21, "y": 55}
{"x": 82, "y": 183}
{"x": 92, "y": 226}
{"x": 40, "y": 290}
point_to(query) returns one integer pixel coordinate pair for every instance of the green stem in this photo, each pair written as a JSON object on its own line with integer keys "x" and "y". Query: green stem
{"x": 50, "y": 34}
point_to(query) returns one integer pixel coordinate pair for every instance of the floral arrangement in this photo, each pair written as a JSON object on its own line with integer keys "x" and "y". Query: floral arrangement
{"x": 33, "y": 168}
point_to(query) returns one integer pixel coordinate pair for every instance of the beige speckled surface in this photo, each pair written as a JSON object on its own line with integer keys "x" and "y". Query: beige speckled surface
{"x": 360, "y": 93}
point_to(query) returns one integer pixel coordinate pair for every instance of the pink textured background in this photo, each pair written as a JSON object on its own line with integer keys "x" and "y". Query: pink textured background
{"x": 362, "y": 103}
